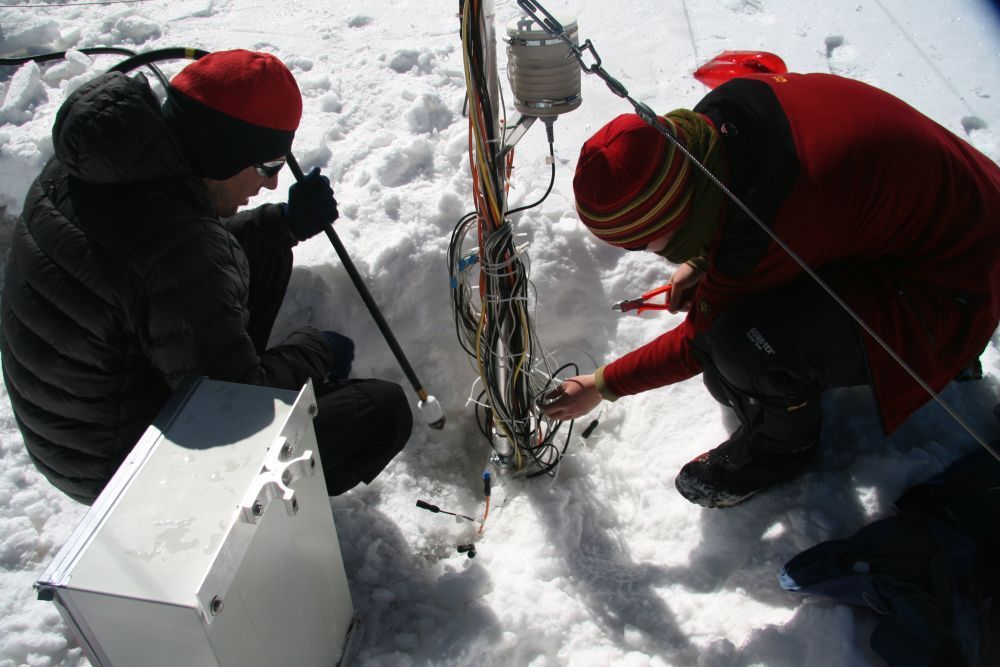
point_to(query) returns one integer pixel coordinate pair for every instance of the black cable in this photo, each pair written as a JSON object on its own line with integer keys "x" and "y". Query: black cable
{"x": 150, "y": 57}
{"x": 59, "y": 55}
{"x": 549, "y": 121}
{"x": 551, "y": 435}
{"x": 552, "y": 180}
{"x": 466, "y": 319}
{"x": 134, "y": 60}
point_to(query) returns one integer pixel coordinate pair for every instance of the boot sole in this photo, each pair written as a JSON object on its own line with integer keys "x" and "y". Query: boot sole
{"x": 704, "y": 495}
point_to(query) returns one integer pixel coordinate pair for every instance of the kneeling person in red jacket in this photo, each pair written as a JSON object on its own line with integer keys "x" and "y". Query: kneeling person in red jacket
{"x": 894, "y": 212}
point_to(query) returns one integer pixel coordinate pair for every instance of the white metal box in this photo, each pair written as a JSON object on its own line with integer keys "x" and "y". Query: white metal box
{"x": 214, "y": 543}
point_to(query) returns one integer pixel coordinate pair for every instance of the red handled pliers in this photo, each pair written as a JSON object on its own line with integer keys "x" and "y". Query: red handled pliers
{"x": 642, "y": 303}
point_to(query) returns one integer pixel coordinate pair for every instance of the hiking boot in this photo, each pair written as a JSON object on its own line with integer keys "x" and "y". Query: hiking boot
{"x": 736, "y": 469}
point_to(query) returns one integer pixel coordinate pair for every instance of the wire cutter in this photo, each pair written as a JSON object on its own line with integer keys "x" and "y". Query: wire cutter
{"x": 642, "y": 303}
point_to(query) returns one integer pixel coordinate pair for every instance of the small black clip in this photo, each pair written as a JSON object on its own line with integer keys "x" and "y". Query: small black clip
{"x": 468, "y": 549}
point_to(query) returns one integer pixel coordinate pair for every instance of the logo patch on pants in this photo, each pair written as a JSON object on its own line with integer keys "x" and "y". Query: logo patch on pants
{"x": 757, "y": 338}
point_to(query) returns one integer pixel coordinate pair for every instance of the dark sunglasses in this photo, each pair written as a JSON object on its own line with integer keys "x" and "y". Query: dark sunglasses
{"x": 269, "y": 169}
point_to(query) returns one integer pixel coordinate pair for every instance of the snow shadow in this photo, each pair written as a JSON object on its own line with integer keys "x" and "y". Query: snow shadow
{"x": 399, "y": 594}
{"x": 619, "y": 592}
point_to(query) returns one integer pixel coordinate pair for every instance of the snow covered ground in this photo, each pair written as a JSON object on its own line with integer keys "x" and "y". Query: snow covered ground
{"x": 606, "y": 564}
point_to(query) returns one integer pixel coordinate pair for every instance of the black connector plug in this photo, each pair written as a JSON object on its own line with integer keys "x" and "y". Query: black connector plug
{"x": 427, "y": 506}
{"x": 424, "y": 505}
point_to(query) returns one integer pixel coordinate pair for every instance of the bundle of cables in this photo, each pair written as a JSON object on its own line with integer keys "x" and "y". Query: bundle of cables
{"x": 492, "y": 314}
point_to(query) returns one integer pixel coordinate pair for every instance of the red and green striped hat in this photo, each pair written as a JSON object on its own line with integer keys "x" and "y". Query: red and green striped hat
{"x": 632, "y": 185}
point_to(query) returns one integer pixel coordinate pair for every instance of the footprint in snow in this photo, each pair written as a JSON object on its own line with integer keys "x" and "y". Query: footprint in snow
{"x": 406, "y": 60}
{"x": 833, "y": 42}
{"x": 970, "y": 123}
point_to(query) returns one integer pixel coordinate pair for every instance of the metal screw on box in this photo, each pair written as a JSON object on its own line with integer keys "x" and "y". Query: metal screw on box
{"x": 217, "y": 605}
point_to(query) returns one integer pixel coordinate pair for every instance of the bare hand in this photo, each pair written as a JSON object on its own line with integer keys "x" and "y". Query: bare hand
{"x": 684, "y": 280}
{"x": 573, "y": 398}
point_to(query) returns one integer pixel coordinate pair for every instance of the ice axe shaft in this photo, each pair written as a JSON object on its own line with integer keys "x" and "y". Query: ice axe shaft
{"x": 429, "y": 407}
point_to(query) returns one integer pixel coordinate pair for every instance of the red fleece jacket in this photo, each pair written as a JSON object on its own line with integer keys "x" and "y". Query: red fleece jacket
{"x": 898, "y": 214}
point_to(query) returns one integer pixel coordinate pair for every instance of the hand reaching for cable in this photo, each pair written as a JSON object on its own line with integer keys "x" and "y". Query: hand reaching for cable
{"x": 311, "y": 206}
{"x": 573, "y": 398}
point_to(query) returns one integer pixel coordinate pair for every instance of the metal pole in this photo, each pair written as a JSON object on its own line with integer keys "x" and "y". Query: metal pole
{"x": 428, "y": 404}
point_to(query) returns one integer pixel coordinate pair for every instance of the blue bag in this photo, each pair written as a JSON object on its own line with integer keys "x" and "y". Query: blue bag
{"x": 932, "y": 571}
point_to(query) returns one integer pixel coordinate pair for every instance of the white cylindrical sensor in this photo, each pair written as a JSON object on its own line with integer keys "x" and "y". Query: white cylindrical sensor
{"x": 543, "y": 73}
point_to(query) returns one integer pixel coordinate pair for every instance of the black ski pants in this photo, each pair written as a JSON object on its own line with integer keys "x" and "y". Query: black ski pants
{"x": 771, "y": 357}
{"x": 361, "y": 424}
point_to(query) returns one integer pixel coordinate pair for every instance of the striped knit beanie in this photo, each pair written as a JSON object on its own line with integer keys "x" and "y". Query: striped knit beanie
{"x": 631, "y": 183}
{"x": 233, "y": 109}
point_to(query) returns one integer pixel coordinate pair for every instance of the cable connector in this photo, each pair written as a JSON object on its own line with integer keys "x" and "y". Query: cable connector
{"x": 424, "y": 505}
{"x": 590, "y": 429}
{"x": 469, "y": 261}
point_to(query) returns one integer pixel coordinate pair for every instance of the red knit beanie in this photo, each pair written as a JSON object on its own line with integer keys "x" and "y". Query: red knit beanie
{"x": 631, "y": 183}
{"x": 232, "y": 109}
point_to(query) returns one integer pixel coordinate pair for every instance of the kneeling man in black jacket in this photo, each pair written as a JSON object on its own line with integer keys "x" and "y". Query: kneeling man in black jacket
{"x": 131, "y": 270}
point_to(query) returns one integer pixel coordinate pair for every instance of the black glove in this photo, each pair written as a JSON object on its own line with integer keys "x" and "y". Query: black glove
{"x": 311, "y": 205}
{"x": 343, "y": 355}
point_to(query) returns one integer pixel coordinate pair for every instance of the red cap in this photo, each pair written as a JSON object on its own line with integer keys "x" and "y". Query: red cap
{"x": 233, "y": 109}
{"x": 254, "y": 87}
